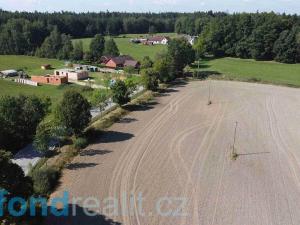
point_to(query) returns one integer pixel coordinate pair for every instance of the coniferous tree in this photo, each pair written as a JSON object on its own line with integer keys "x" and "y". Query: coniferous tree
{"x": 97, "y": 47}
{"x": 111, "y": 48}
{"x": 77, "y": 53}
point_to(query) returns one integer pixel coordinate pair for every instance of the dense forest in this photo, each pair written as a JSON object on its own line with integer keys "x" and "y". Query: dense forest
{"x": 262, "y": 36}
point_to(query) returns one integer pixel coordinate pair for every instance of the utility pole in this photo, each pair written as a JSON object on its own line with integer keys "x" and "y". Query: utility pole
{"x": 234, "y": 154}
{"x": 209, "y": 93}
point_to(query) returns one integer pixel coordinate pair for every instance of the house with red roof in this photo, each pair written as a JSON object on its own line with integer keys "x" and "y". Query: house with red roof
{"x": 122, "y": 61}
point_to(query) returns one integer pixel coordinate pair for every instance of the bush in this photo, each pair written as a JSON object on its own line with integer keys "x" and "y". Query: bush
{"x": 120, "y": 93}
{"x": 129, "y": 70}
{"x": 80, "y": 143}
{"x": 149, "y": 79}
{"x": 44, "y": 180}
{"x": 73, "y": 112}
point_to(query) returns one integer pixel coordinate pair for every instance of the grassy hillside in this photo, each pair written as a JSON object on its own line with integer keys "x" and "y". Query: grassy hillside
{"x": 251, "y": 70}
{"x": 32, "y": 65}
{"x": 138, "y": 51}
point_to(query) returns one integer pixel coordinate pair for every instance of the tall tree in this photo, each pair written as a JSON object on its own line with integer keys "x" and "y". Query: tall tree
{"x": 73, "y": 112}
{"x": 77, "y": 53}
{"x": 19, "y": 117}
{"x": 51, "y": 46}
{"x": 150, "y": 79}
{"x": 97, "y": 47}
{"x": 163, "y": 66}
{"x": 181, "y": 54}
{"x": 120, "y": 93}
{"x": 67, "y": 47}
{"x": 287, "y": 47}
{"x": 111, "y": 48}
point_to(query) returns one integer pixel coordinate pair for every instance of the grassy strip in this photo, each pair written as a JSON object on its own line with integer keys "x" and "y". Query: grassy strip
{"x": 247, "y": 70}
{"x": 253, "y": 80}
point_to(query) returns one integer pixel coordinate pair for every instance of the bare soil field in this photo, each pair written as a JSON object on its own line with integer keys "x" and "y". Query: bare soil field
{"x": 179, "y": 148}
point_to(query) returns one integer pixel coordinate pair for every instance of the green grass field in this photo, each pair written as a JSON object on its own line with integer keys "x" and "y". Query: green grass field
{"x": 31, "y": 65}
{"x": 137, "y": 51}
{"x": 53, "y": 92}
{"x": 251, "y": 70}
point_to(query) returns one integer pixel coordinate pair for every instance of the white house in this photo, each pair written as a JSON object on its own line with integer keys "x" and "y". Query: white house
{"x": 158, "y": 40}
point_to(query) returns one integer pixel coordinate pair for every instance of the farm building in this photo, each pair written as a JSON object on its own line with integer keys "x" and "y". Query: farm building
{"x": 85, "y": 67}
{"x": 121, "y": 61}
{"x": 72, "y": 75}
{"x": 8, "y": 73}
{"x": 158, "y": 40}
{"x": 46, "y": 67}
{"x": 50, "y": 79}
{"x": 132, "y": 63}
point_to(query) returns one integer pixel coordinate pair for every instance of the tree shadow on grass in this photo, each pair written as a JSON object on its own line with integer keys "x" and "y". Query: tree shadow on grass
{"x": 78, "y": 215}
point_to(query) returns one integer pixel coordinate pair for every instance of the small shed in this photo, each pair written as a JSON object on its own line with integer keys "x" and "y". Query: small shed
{"x": 46, "y": 67}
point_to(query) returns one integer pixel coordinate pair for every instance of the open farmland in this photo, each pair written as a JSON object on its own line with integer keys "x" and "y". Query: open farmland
{"x": 251, "y": 70}
{"x": 137, "y": 51}
{"x": 178, "y": 146}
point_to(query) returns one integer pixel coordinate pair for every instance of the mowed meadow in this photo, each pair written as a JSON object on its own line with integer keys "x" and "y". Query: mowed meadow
{"x": 251, "y": 70}
{"x": 137, "y": 51}
{"x": 32, "y": 66}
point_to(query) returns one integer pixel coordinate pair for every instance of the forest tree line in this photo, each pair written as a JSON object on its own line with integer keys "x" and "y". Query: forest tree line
{"x": 261, "y": 36}
{"x": 24, "y": 32}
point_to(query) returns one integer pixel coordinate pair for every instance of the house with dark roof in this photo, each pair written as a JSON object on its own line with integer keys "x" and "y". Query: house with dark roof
{"x": 122, "y": 61}
{"x": 132, "y": 63}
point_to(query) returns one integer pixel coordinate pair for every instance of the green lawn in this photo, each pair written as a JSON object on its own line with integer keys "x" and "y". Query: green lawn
{"x": 137, "y": 51}
{"x": 31, "y": 65}
{"x": 11, "y": 88}
{"x": 251, "y": 70}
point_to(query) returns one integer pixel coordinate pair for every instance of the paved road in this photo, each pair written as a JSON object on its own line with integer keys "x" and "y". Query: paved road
{"x": 178, "y": 147}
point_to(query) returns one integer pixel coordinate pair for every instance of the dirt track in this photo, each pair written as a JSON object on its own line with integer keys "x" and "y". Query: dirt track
{"x": 180, "y": 147}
